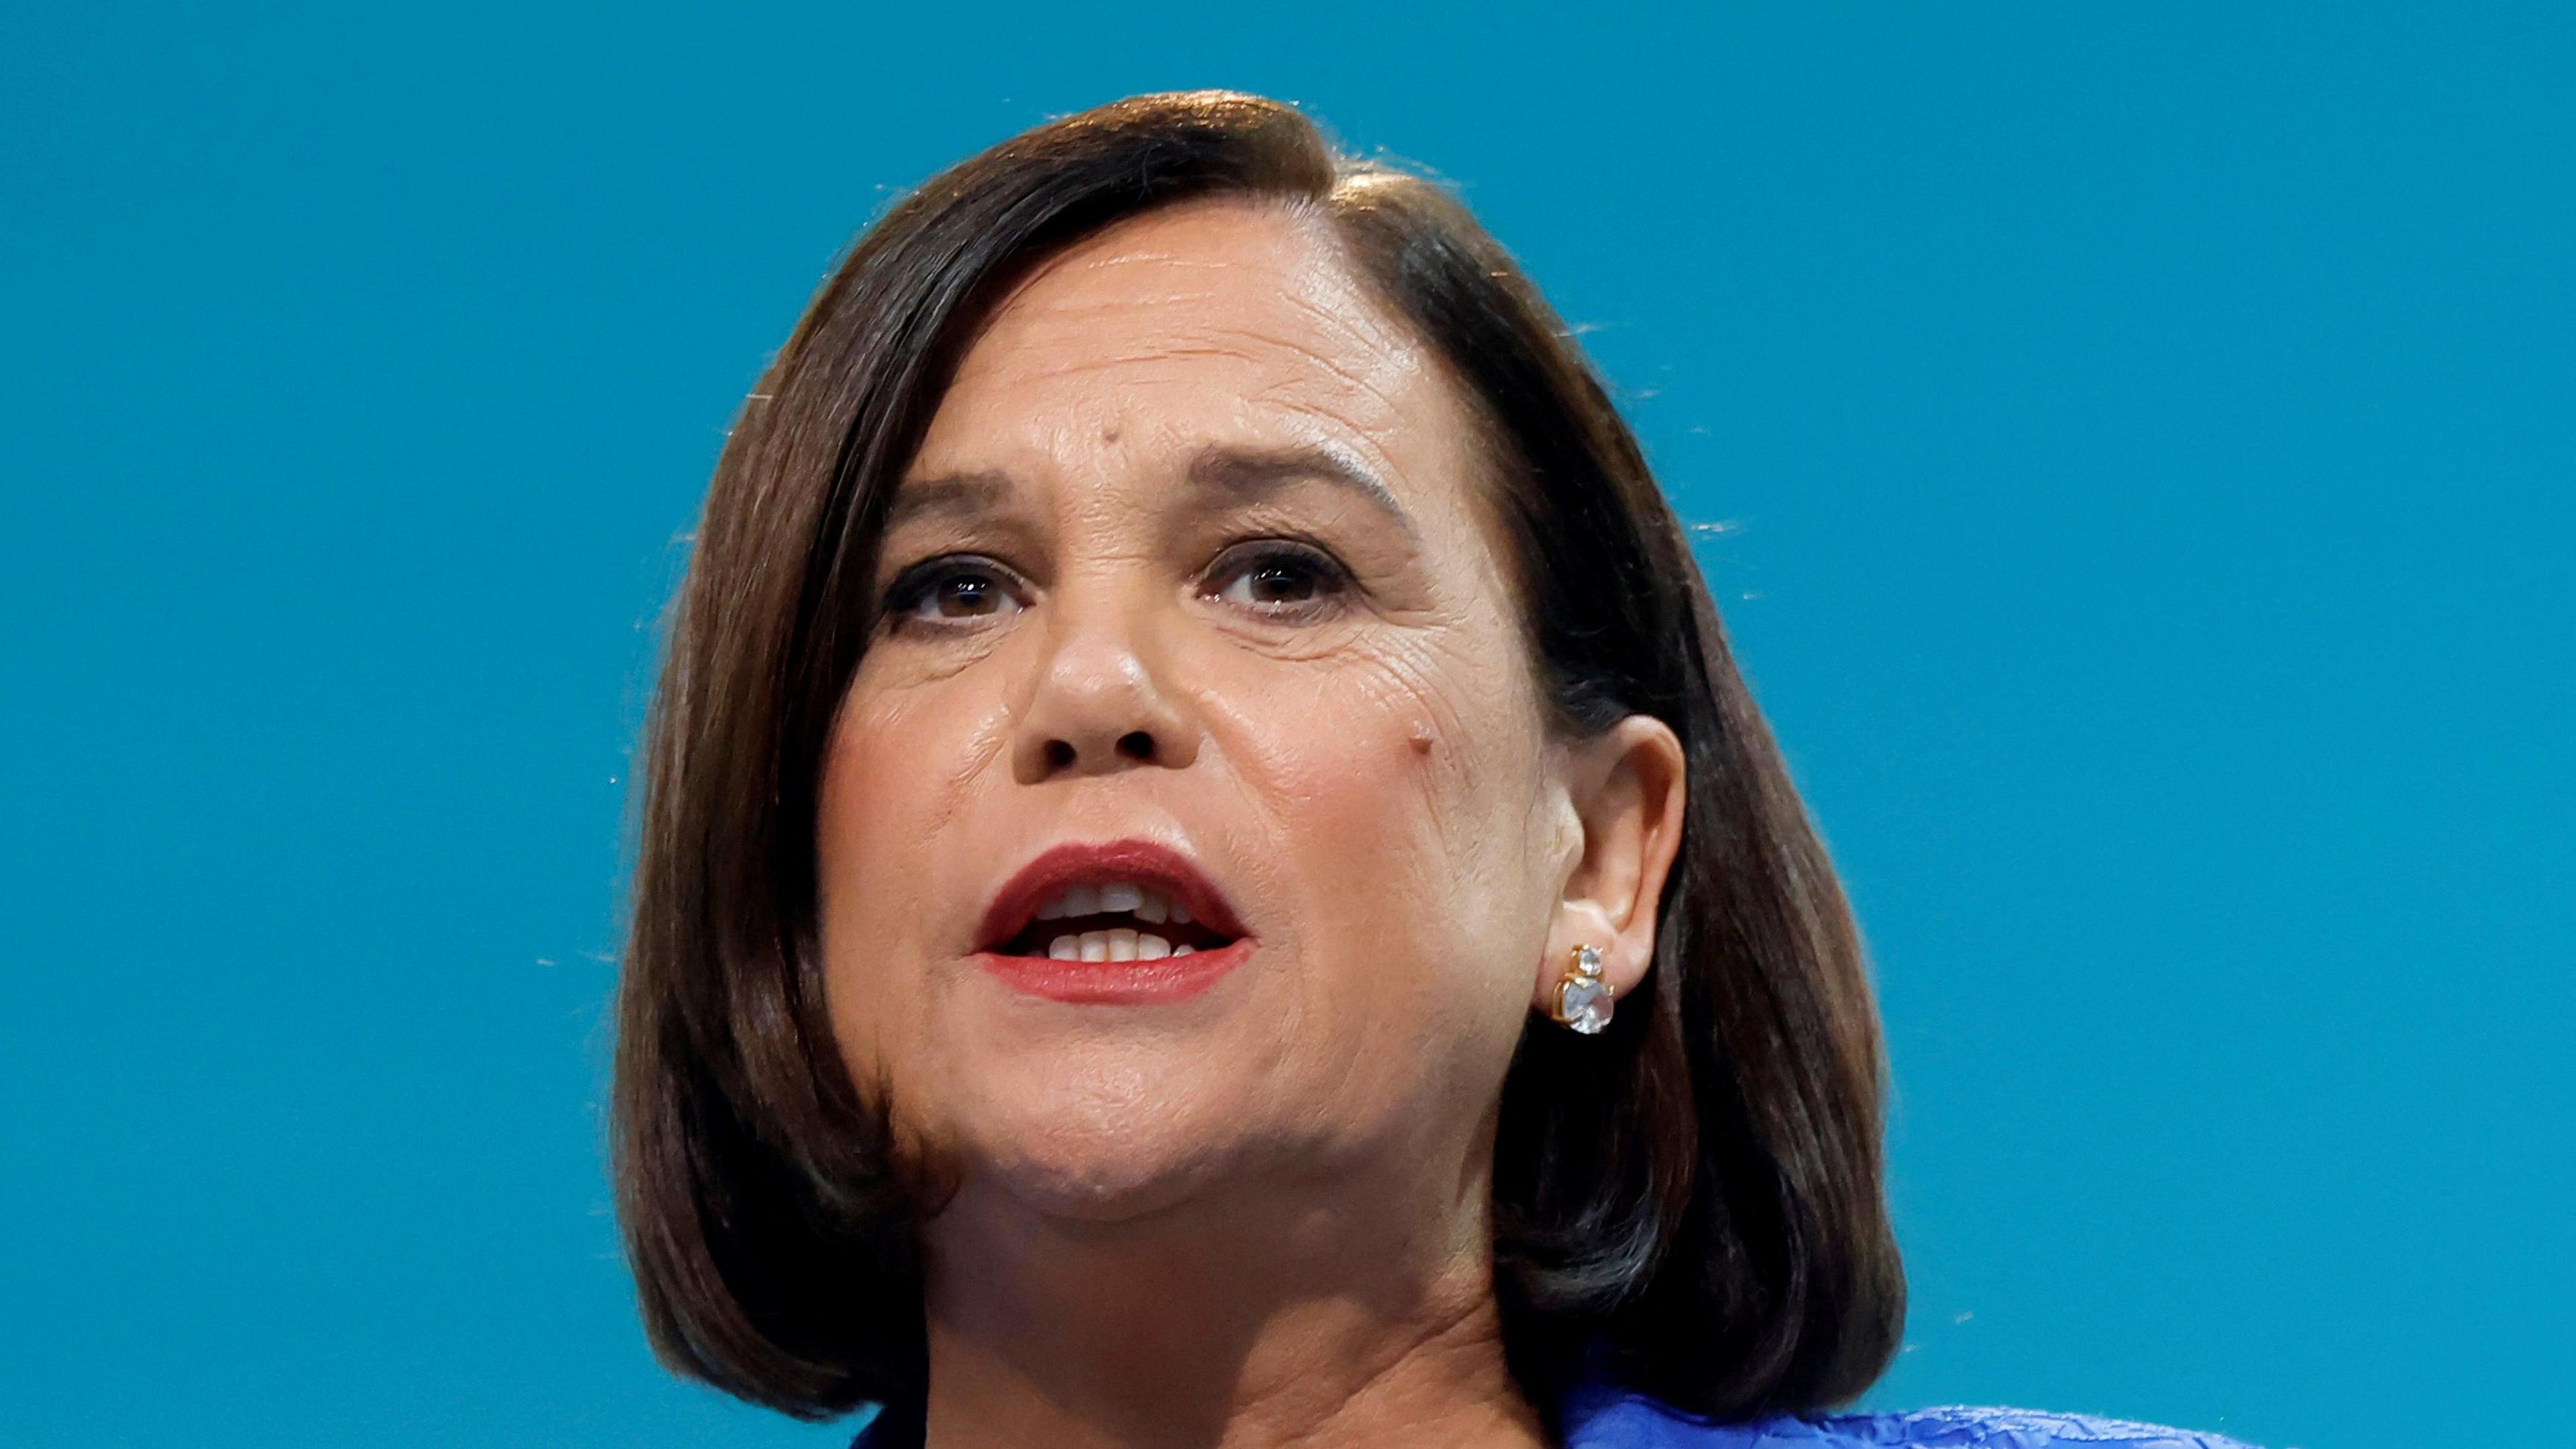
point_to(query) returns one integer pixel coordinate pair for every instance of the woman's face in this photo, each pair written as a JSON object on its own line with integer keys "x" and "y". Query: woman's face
{"x": 1195, "y": 604}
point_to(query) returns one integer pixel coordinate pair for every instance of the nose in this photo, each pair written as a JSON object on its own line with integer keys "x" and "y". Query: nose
{"x": 1100, "y": 700}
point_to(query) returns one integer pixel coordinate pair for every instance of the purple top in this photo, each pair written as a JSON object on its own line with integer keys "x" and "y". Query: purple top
{"x": 1599, "y": 1416}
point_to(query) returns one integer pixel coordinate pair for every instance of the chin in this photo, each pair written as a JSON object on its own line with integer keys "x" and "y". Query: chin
{"x": 1108, "y": 1142}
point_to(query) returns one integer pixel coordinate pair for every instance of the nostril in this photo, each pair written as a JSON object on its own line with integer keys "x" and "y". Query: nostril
{"x": 1059, "y": 755}
{"x": 1136, "y": 745}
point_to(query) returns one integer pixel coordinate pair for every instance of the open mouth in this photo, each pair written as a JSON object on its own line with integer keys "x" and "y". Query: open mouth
{"x": 1128, "y": 921}
{"x": 1116, "y": 920}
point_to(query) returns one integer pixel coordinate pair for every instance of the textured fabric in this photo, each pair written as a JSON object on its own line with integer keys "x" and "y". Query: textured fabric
{"x": 1596, "y": 1417}
{"x": 1599, "y": 1417}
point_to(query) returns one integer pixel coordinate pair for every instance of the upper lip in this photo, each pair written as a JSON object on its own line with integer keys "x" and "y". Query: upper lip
{"x": 1062, "y": 867}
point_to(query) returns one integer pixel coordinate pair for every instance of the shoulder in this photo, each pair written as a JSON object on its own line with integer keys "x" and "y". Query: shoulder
{"x": 1631, "y": 1421}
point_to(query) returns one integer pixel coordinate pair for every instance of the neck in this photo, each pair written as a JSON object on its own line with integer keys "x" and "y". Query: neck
{"x": 1255, "y": 1317}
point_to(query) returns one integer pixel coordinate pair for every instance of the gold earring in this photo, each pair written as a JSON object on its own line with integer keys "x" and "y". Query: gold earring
{"x": 1582, "y": 997}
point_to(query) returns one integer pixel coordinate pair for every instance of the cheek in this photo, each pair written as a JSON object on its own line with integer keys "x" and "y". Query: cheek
{"x": 903, "y": 759}
{"x": 1402, "y": 781}
{"x": 897, "y": 779}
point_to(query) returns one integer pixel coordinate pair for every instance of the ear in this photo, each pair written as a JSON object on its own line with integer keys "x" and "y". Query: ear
{"x": 1626, "y": 786}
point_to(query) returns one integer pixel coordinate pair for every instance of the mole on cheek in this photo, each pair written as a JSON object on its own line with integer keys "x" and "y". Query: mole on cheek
{"x": 1421, "y": 736}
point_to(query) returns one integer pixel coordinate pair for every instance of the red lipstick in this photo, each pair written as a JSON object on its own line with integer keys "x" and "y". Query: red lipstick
{"x": 1013, "y": 944}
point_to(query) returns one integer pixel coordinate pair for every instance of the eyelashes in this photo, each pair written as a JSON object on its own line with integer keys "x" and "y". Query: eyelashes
{"x": 1276, "y": 577}
{"x": 952, "y": 591}
{"x": 1273, "y": 579}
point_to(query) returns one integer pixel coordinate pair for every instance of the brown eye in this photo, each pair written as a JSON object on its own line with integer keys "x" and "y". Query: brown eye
{"x": 965, "y": 594}
{"x": 1276, "y": 578}
{"x": 947, "y": 592}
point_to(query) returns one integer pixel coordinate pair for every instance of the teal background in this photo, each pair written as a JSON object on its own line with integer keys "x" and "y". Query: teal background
{"x": 2145, "y": 436}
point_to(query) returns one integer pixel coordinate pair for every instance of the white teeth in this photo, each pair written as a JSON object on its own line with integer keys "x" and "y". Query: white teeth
{"x": 1142, "y": 901}
{"x": 1095, "y": 945}
{"x": 1065, "y": 948}
{"x": 1150, "y": 947}
{"x": 1183, "y": 950}
{"x": 1122, "y": 945}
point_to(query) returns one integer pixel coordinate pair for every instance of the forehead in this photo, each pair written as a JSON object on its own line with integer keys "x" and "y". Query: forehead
{"x": 1226, "y": 320}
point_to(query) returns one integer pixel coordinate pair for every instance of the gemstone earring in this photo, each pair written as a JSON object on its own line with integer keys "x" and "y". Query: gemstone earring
{"x": 1582, "y": 997}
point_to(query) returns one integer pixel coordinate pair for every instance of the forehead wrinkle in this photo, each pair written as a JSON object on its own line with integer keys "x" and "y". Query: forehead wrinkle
{"x": 1321, "y": 419}
{"x": 1371, "y": 378}
{"x": 1244, "y": 344}
{"x": 1083, "y": 311}
{"x": 1097, "y": 259}
{"x": 1078, "y": 366}
{"x": 1081, "y": 263}
{"x": 1353, "y": 313}
{"x": 1298, "y": 393}
{"x": 1342, "y": 316}
{"x": 1074, "y": 292}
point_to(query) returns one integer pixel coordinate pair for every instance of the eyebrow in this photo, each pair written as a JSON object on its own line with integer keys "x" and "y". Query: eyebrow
{"x": 1260, "y": 472}
{"x": 960, "y": 495}
{"x": 1246, "y": 473}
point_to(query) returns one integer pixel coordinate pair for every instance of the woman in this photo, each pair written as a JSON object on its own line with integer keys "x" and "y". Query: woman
{"x": 1207, "y": 876}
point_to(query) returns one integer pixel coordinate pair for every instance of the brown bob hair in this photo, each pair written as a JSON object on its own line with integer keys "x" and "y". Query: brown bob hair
{"x": 1691, "y": 1203}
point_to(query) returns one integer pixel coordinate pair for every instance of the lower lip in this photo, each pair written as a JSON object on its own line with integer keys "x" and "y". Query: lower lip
{"x": 1117, "y": 983}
